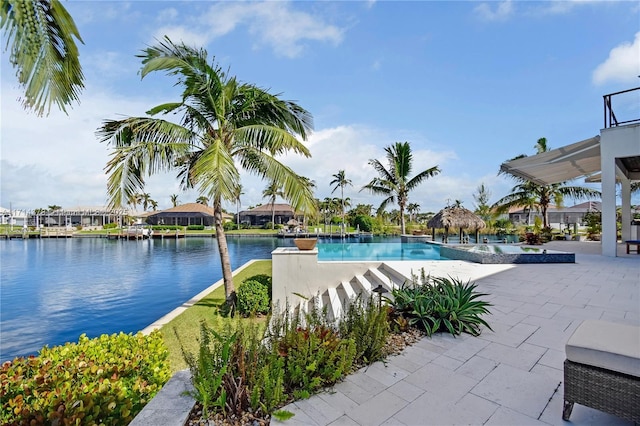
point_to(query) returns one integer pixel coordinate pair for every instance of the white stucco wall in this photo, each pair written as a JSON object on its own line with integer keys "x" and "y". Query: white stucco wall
{"x": 298, "y": 271}
{"x": 615, "y": 142}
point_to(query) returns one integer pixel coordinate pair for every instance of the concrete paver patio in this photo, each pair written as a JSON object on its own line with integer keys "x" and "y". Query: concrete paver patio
{"x": 509, "y": 376}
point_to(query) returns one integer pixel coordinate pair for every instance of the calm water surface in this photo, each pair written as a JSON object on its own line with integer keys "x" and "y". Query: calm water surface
{"x": 53, "y": 290}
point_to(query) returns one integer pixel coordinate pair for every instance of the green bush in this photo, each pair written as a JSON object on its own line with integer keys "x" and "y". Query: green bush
{"x": 229, "y": 226}
{"x": 106, "y": 380}
{"x": 110, "y": 226}
{"x": 253, "y": 298}
{"x": 263, "y": 279}
{"x": 315, "y": 355}
{"x": 441, "y": 304}
{"x": 195, "y": 228}
{"x": 366, "y": 223}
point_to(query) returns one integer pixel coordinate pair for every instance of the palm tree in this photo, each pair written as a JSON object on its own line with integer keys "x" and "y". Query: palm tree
{"x": 533, "y": 196}
{"x": 43, "y": 52}
{"x": 413, "y": 209}
{"x": 225, "y": 124}
{"x": 134, "y": 200}
{"x": 147, "y": 201}
{"x": 394, "y": 183}
{"x": 174, "y": 200}
{"x": 236, "y": 197}
{"x": 153, "y": 204}
{"x": 54, "y": 207}
{"x": 272, "y": 192}
{"x": 340, "y": 181}
{"x": 202, "y": 200}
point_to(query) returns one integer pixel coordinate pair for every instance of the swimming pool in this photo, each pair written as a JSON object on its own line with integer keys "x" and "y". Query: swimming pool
{"x": 506, "y": 253}
{"x": 362, "y": 251}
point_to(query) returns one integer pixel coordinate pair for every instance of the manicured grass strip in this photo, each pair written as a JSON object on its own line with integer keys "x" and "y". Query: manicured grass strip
{"x": 187, "y": 324}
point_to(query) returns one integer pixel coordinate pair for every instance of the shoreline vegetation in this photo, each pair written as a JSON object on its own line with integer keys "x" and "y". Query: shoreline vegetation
{"x": 183, "y": 331}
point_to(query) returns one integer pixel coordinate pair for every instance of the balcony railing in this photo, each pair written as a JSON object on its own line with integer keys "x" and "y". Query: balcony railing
{"x": 610, "y": 119}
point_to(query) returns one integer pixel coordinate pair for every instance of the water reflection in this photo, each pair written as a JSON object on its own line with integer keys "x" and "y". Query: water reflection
{"x": 54, "y": 290}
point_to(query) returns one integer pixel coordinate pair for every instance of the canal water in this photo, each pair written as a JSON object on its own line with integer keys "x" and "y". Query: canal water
{"x": 53, "y": 290}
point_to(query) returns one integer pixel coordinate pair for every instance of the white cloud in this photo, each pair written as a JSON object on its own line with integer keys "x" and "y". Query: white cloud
{"x": 180, "y": 34}
{"x": 560, "y": 7}
{"x": 501, "y": 12}
{"x": 622, "y": 65}
{"x": 274, "y": 24}
{"x": 168, "y": 14}
{"x": 350, "y": 148}
{"x": 57, "y": 159}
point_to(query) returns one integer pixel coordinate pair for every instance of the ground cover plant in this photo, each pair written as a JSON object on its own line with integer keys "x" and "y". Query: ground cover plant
{"x": 105, "y": 380}
{"x": 439, "y": 304}
{"x": 242, "y": 371}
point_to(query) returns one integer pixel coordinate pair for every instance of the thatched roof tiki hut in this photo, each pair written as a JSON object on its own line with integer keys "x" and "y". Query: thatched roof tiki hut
{"x": 455, "y": 217}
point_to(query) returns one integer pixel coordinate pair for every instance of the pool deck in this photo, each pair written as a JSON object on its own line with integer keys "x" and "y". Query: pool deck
{"x": 512, "y": 375}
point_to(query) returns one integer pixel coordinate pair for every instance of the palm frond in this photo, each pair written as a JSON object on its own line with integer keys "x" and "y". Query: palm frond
{"x": 295, "y": 188}
{"x": 425, "y": 174}
{"x": 43, "y": 51}
{"x": 272, "y": 139}
{"x": 215, "y": 172}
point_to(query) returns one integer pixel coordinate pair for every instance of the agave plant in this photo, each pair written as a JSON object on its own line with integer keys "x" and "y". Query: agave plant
{"x": 441, "y": 304}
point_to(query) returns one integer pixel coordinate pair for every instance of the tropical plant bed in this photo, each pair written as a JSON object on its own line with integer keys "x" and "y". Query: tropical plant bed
{"x": 395, "y": 344}
{"x": 243, "y": 374}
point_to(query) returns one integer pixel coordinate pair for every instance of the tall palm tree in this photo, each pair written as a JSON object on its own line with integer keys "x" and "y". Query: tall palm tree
{"x": 203, "y": 200}
{"x": 44, "y": 54}
{"x": 340, "y": 181}
{"x": 224, "y": 124}
{"x": 394, "y": 182}
{"x": 533, "y": 196}
{"x": 174, "y": 200}
{"x": 272, "y": 192}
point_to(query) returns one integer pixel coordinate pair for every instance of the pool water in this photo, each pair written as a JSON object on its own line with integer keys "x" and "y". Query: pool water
{"x": 377, "y": 251}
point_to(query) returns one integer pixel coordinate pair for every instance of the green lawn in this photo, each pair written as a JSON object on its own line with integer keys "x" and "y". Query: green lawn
{"x": 187, "y": 324}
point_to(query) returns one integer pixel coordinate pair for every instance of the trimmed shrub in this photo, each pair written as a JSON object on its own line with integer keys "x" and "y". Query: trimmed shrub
{"x": 110, "y": 226}
{"x": 263, "y": 279}
{"x": 106, "y": 380}
{"x": 195, "y": 228}
{"x": 253, "y": 298}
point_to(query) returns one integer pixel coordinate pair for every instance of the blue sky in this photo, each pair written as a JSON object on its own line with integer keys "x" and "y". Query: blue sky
{"x": 468, "y": 84}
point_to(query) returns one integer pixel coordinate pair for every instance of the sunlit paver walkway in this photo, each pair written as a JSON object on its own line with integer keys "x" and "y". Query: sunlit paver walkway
{"x": 509, "y": 376}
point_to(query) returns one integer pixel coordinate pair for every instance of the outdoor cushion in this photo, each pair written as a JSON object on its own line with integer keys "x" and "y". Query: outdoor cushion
{"x": 606, "y": 345}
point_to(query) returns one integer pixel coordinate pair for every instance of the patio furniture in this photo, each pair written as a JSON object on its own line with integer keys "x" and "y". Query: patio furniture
{"x": 633, "y": 243}
{"x": 602, "y": 369}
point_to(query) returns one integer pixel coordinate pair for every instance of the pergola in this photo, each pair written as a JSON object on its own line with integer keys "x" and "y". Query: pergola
{"x": 615, "y": 154}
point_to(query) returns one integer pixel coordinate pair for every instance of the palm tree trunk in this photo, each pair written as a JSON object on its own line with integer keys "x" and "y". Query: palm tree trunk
{"x": 273, "y": 215}
{"x": 402, "y": 220}
{"x": 225, "y": 260}
{"x": 342, "y": 196}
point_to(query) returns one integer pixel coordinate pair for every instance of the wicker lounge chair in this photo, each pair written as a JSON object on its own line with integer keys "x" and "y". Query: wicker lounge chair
{"x": 602, "y": 369}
